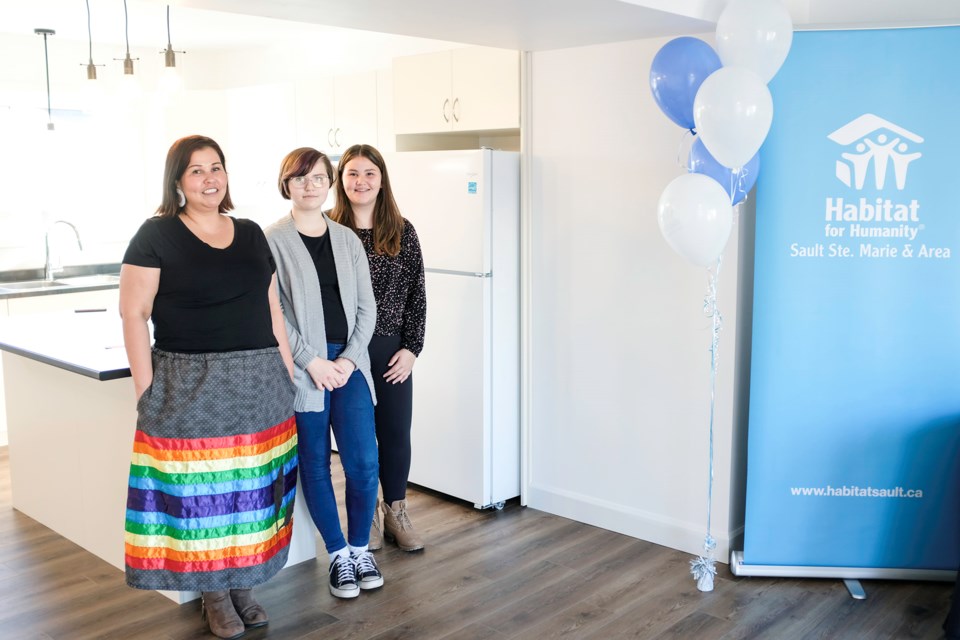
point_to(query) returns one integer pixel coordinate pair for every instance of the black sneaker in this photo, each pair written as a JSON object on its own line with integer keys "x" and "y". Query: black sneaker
{"x": 343, "y": 578}
{"x": 368, "y": 574}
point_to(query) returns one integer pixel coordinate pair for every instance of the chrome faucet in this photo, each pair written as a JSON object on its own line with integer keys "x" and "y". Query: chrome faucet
{"x": 48, "y": 267}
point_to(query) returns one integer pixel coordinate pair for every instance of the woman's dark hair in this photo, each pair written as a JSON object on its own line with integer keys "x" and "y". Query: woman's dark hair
{"x": 298, "y": 163}
{"x": 178, "y": 159}
{"x": 387, "y": 221}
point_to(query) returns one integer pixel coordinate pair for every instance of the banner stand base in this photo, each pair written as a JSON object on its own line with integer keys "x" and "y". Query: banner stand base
{"x": 738, "y": 568}
{"x": 855, "y": 589}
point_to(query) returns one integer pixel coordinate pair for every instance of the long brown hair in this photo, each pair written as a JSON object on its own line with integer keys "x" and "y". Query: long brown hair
{"x": 178, "y": 159}
{"x": 387, "y": 221}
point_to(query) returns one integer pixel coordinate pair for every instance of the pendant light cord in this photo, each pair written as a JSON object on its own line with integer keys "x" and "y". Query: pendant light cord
{"x": 46, "y": 65}
{"x": 126, "y": 27}
{"x": 89, "y": 32}
{"x": 169, "y": 46}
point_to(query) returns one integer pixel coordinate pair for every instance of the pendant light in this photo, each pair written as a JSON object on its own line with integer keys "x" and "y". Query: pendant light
{"x": 46, "y": 63}
{"x": 169, "y": 55}
{"x": 91, "y": 68}
{"x": 170, "y": 80}
{"x": 127, "y": 61}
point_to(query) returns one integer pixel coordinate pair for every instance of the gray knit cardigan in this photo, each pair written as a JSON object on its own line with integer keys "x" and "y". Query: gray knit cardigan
{"x": 303, "y": 306}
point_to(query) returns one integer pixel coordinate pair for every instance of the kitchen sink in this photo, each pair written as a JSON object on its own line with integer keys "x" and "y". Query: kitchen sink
{"x": 31, "y": 284}
{"x": 89, "y": 281}
{"x": 61, "y": 284}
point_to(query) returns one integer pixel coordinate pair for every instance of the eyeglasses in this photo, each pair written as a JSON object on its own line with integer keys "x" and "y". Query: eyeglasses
{"x": 316, "y": 180}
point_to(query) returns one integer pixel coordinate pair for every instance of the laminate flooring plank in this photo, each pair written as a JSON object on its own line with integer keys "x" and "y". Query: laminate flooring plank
{"x": 665, "y": 604}
{"x": 612, "y": 573}
{"x": 571, "y": 623}
{"x": 444, "y": 617}
{"x": 699, "y": 625}
{"x": 630, "y": 579}
{"x": 398, "y": 601}
{"x": 474, "y": 632}
{"x": 596, "y": 543}
{"x": 516, "y": 552}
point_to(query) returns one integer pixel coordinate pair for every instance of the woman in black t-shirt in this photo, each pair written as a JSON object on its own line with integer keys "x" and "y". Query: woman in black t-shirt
{"x": 214, "y": 467}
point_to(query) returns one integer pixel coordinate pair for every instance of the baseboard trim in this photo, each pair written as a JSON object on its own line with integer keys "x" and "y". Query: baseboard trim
{"x": 668, "y": 532}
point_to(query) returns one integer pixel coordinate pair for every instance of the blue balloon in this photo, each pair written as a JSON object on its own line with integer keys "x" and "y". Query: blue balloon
{"x": 737, "y": 184}
{"x": 676, "y": 74}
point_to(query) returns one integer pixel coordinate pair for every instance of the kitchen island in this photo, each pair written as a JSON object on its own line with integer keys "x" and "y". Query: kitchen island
{"x": 71, "y": 418}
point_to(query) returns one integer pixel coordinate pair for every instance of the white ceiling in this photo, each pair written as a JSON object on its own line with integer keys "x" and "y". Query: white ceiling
{"x": 517, "y": 24}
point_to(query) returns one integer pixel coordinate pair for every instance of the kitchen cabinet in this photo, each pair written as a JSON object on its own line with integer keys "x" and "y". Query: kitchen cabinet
{"x": 260, "y": 132}
{"x": 108, "y": 299}
{"x": 99, "y": 299}
{"x": 471, "y": 89}
{"x": 334, "y": 112}
{"x": 3, "y": 404}
{"x": 71, "y": 406}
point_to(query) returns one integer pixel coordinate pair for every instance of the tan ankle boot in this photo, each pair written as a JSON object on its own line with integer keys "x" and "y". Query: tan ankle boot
{"x": 217, "y": 608}
{"x": 397, "y": 526}
{"x": 249, "y": 610}
{"x": 376, "y": 533}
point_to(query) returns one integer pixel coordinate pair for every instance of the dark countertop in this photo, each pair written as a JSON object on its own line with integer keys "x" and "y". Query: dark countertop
{"x": 90, "y": 344}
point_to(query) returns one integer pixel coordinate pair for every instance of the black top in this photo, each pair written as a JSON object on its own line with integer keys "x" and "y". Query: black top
{"x": 399, "y": 289}
{"x": 209, "y": 300}
{"x": 334, "y": 318}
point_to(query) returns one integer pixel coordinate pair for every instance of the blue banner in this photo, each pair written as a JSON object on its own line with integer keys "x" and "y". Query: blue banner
{"x": 854, "y": 420}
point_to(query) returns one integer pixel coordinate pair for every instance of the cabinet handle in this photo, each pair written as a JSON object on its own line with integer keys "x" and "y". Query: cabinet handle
{"x": 336, "y": 137}
{"x": 456, "y": 103}
{"x": 329, "y": 136}
{"x": 444, "y": 110}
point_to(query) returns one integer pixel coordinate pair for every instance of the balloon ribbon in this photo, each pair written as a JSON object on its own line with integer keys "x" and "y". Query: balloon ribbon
{"x": 704, "y": 567}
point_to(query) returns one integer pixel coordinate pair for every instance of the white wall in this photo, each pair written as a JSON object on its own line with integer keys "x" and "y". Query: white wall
{"x": 101, "y": 169}
{"x": 619, "y": 348}
{"x": 89, "y": 170}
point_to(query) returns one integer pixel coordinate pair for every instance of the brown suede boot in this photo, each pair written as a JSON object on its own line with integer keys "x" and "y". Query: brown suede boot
{"x": 249, "y": 610}
{"x": 397, "y": 526}
{"x": 376, "y": 533}
{"x": 217, "y": 609}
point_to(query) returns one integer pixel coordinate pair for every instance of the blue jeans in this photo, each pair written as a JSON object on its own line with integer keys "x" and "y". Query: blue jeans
{"x": 349, "y": 411}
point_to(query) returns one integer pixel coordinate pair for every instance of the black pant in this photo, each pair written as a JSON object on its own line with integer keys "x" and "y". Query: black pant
{"x": 394, "y": 416}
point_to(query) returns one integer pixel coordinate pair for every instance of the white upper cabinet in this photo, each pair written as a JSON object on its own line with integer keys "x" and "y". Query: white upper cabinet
{"x": 260, "y": 132}
{"x": 472, "y": 89}
{"x": 333, "y": 113}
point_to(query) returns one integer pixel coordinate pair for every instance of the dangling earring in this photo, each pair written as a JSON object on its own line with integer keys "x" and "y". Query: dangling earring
{"x": 181, "y": 199}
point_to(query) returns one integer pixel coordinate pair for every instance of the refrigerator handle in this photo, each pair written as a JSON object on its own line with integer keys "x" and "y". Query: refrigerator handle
{"x": 443, "y": 110}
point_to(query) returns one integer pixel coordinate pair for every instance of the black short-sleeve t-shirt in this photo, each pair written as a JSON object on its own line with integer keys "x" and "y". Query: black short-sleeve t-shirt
{"x": 334, "y": 318}
{"x": 209, "y": 299}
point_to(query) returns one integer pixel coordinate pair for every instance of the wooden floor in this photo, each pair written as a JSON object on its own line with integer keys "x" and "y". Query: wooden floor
{"x": 518, "y": 573}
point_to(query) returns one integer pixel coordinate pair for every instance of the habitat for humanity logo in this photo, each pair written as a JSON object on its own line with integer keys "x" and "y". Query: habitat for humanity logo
{"x": 873, "y": 143}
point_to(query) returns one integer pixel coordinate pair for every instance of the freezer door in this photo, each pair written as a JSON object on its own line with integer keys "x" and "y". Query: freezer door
{"x": 445, "y": 194}
{"x": 451, "y": 391}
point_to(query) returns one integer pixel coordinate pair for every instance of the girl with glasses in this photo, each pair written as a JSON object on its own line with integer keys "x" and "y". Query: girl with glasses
{"x": 328, "y": 304}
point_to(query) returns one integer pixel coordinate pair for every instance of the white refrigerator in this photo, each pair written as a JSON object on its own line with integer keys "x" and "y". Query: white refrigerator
{"x": 465, "y": 206}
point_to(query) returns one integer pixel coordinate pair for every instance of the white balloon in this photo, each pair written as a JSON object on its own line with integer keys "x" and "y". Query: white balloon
{"x": 755, "y": 34}
{"x": 695, "y": 217}
{"x": 733, "y": 111}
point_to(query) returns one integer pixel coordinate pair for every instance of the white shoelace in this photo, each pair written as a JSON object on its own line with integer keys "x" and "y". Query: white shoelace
{"x": 365, "y": 563}
{"x": 345, "y": 573}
